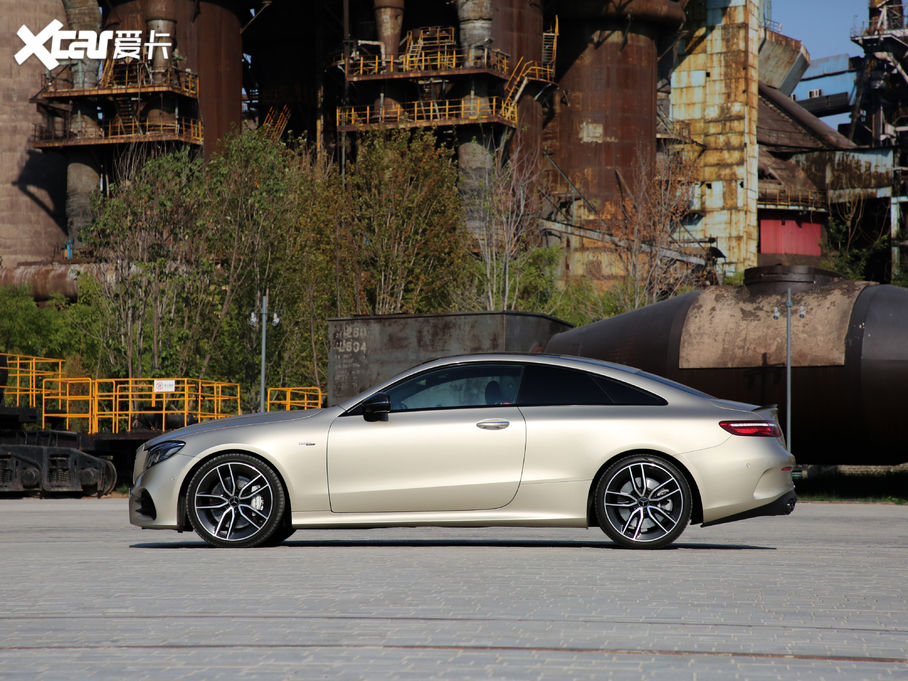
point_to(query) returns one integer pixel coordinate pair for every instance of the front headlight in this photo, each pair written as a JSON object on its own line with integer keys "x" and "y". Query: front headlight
{"x": 162, "y": 451}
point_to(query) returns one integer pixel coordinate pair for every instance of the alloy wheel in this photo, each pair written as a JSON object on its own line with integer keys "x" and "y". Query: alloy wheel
{"x": 643, "y": 502}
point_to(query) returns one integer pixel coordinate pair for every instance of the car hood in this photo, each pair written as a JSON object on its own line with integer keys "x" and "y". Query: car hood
{"x": 236, "y": 422}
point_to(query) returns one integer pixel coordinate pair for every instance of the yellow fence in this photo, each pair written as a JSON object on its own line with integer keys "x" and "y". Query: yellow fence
{"x": 439, "y": 111}
{"x": 186, "y": 129}
{"x": 786, "y": 197}
{"x": 443, "y": 60}
{"x": 25, "y": 377}
{"x": 120, "y": 405}
{"x": 127, "y": 76}
{"x": 137, "y": 75}
{"x": 287, "y": 399}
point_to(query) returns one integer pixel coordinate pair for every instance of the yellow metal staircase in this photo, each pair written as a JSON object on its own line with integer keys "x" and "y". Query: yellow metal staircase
{"x": 524, "y": 72}
{"x": 276, "y": 121}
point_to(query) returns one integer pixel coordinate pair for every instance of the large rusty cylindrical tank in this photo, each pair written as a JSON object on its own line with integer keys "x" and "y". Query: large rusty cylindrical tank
{"x": 389, "y": 18}
{"x": 849, "y": 355}
{"x": 208, "y": 41}
{"x": 605, "y": 111}
{"x": 517, "y": 30}
{"x": 161, "y": 17}
{"x": 475, "y": 144}
{"x": 475, "y": 18}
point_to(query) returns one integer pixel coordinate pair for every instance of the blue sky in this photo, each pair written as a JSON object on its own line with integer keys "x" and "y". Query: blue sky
{"x": 823, "y": 26}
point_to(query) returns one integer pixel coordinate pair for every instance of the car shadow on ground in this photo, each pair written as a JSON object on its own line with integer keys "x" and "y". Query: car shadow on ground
{"x": 453, "y": 543}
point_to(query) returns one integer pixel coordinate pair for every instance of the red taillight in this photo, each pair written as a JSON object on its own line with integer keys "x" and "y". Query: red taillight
{"x": 752, "y": 428}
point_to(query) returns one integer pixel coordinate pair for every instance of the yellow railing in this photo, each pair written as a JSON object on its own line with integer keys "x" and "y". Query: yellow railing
{"x": 25, "y": 378}
{"x": 188, "y": 129}
{"x": 287, "y": 399}
{"x": 431, "y": 38}
{"x": 786, "y": 197}
{"x": 439, "y": 111}
{"x": 69, "y": 403}
{"x": 134, "y": 75}
{"x": 524, "y": 72}
{"x": 444, "y": 60}
{"x": 123, "y": 404}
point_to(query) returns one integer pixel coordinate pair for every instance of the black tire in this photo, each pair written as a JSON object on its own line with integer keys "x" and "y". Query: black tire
{"x": 643, "y": 502}
{"x": 281, "y": 534}
{"x": 236, "y": 501}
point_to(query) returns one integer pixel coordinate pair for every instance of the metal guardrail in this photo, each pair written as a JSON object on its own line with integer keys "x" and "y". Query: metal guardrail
{"x": 891, "y": 19}
{"x": 417, "y": 112}
{"x": 289, "y": 399}
{"x": 123, "y": 404}
{"x": 786, "y": 197}
{"x": 188, "y": 129}
{"x": 128, "y": 77}
{"x": 25, "y": 378}
{"x": 443, "y": 60}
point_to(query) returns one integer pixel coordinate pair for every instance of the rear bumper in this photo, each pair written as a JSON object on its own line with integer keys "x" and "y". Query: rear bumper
{"x": 784, "y": 505}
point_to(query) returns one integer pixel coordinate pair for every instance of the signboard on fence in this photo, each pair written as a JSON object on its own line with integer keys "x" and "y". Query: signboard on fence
{"x": 165, "y": 386}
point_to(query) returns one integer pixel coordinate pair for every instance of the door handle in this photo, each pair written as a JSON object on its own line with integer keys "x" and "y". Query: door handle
{"x": 493, "y": 424}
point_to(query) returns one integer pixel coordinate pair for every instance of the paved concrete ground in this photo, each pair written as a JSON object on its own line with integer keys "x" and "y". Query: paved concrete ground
{"x": 822, "y": 594}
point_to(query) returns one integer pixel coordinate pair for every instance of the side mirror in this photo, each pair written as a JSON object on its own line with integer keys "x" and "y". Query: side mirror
{"x": 375, "y": 406}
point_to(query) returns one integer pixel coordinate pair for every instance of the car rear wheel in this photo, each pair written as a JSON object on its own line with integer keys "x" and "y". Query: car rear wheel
{"x": 236, "y": 500}
{"x": 643, "y": 502}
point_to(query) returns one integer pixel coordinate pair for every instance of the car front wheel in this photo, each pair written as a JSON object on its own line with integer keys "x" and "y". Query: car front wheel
{"x": 236, "y": 500}
{"x": 643, "y": 502}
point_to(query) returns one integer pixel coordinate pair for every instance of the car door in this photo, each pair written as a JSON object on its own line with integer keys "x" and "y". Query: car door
{"x": 453, "y": 441}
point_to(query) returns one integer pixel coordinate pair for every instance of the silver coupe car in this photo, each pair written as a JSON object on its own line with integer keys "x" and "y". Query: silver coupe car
{"x": 477, "y": 440}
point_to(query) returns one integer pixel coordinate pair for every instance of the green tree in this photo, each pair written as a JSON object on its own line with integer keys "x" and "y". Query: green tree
{"x": 313, "y": 279}
{"x": 406, "y": 236}
{"x": 27, "y": 329}
{"x": 503, "y": 205}
{"x": 247, "y": 213}
{"x": 149, "y": 236}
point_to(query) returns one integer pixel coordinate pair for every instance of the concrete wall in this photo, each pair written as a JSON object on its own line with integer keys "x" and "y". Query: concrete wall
{"x": 32, "y": 183}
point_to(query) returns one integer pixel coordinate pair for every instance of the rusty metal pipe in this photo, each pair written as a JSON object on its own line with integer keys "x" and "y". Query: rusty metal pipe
{"x": 44, "y": 281}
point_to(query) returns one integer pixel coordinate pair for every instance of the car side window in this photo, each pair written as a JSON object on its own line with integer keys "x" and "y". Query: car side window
{"x": 472, "y": 385}
{"x": 551, "y": 386}
{"x": 626, "y": 394}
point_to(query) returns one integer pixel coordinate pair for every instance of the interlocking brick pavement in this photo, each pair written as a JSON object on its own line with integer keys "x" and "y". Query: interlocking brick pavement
{"x": 820, "y": 594}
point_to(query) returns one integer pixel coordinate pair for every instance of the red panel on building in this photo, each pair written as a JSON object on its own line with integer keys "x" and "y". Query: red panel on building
{"x": 790, "y": 236}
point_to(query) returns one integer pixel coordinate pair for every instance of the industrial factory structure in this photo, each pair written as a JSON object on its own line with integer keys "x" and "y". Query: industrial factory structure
{"x": 590, "y": 86}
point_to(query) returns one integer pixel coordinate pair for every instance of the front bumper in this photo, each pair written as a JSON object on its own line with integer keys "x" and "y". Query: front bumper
{"x": 154, "y": 500}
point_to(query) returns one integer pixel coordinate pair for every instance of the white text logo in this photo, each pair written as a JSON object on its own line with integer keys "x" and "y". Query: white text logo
{"x": 86, "y": 44}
